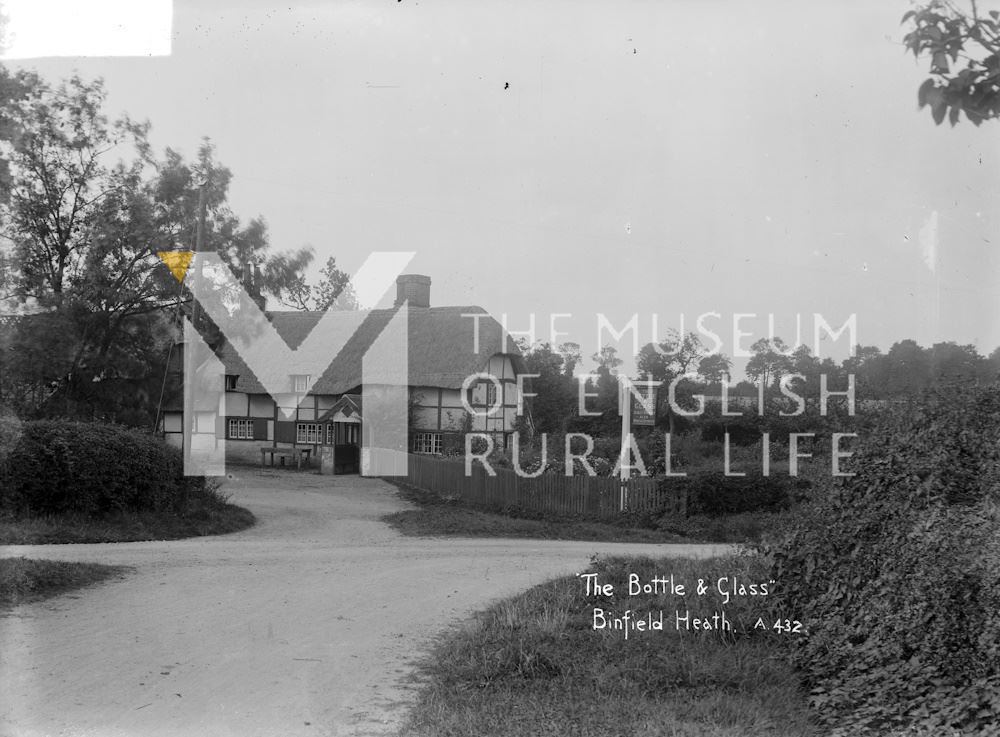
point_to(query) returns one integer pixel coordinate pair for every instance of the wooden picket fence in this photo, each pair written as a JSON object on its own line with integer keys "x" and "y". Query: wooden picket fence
{"x": 568, "y": 496}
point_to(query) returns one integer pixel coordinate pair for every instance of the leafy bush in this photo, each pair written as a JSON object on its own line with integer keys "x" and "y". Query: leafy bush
{"x": 59, "y": 467}
{"x": 742, "y": 430}
{"x": 714, "y": 494}
{"x": 10, "y": 431}
{"x": 897, "y": 573}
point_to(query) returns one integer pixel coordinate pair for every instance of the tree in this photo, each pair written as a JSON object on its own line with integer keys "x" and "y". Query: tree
{"x": 333, "y": 291}
{"x": 607, "y": 422}
{"x": 554, "y": 405}
{"x": 992, "y": 367}
{"x": 61, "y": 186}
{"x": 571, "y": 355}
{"x": 666, "y": 361}
{"x": 673, "y": 357}
{"x": 79, "y": 230}
{"x": 908, "y": 368}
{"x": 687, "y": 353}
{"x": 964, "y": 50}
{"x": 950, "y": 363}
{"x": 715, "y": 368}
{"x": 15, "y": 89}
{"x": 804, "y": 363}
{"x": 85, "y": 207}
{"x": 607, "y": 358}
{"x": 178, "y": 188}
{"x": 769, "y": 362}
{"x": 871, "y": 371}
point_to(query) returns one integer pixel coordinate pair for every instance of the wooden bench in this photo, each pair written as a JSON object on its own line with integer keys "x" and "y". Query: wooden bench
{"x": 297, "y": 453}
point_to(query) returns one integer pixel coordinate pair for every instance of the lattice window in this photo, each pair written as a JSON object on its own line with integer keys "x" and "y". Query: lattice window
{"x": 241, "y": 429}
{"x": 427, "y": 442}
{"x": 307, "y": 432}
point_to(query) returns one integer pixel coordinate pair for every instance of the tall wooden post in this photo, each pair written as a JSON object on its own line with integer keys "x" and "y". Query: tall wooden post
{"x": 190, "y": 417}
{"x": 624, "y": 457}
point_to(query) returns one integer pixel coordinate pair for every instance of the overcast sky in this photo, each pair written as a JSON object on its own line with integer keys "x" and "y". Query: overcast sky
{"x": 596, "y": 157}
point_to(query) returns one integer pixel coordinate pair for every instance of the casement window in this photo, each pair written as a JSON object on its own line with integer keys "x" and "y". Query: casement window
{"x": 427, "y": 442}
{"x": 483, "y": 394}
{"x": 307, "y": 432}
{"x": 241, "y": 429}
{"x": 231, "y": 382}
{"x": 300, "y": 383}
{"x": 329, "y": 433}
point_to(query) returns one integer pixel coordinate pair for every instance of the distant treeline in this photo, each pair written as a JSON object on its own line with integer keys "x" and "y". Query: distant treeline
{"x": 906, "y": 369}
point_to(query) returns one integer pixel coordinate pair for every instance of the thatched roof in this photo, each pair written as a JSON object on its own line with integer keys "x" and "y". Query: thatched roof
{"x": 441, "y": 344}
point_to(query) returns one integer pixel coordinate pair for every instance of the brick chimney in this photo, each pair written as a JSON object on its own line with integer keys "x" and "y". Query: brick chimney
{"x": 252, "y": 282}
{"x": 414, "y": 289}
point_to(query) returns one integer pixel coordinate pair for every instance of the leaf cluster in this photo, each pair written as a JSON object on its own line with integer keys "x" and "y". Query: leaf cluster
{"x": 897, "y": 573}
{"x": 964, "y": 51}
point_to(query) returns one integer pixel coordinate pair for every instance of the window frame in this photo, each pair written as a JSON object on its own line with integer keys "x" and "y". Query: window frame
{"x": 427, "y": 443}
{"x": 246, "y": 433}
{"x": 306, "y": 430}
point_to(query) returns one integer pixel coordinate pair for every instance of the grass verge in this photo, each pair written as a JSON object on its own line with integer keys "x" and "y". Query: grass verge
{"x": 443, "y": 517}
{"x": 437, "y": 516}
{"x": 24, "y": 580}
{"x": 209, "y": 514}
{"x": 535, "y": 666}
{"x": 742, "y": 527}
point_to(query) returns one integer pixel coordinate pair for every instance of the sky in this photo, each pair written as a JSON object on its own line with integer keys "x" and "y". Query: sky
{"x": 592, "y": 158}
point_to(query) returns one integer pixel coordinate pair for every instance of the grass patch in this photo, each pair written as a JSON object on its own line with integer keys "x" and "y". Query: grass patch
{"x": 744, "y": 527}
{"x": 207, "y": 514}
{"x": 534, "y": 665}
{"x": 443, "y": 517}
{"x": 24, "y": 580}
{"x": 438, "y": 516}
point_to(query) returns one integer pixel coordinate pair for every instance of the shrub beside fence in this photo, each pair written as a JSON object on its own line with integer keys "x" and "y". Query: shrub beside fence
{"x": 596, "y": 497}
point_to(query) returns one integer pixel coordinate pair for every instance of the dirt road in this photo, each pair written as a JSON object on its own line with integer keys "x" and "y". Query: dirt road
{"x": 306, "y": 624}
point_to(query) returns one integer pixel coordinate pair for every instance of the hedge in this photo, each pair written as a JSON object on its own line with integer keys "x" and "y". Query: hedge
{"x": 57, "y": 467}
{"x": 715, "y": 495}
{"x": 896, "y": 573}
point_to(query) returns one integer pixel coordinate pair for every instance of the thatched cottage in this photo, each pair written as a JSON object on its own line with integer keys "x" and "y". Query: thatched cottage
{"x": 445, "y": 348}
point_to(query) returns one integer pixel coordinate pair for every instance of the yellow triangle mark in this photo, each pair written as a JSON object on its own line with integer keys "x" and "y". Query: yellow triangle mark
{"x": 177, "y": 262}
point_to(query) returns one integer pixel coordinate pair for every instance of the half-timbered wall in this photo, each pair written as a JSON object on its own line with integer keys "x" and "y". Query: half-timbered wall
{"x": 252, "y": 420}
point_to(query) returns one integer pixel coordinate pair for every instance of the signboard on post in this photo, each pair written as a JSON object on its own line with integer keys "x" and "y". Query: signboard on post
{"x": 644, "y": 405}
{"x": 637, "y": 404}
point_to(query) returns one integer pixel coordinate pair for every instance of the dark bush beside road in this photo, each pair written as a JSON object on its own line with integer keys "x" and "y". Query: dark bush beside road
{"x": 73, "y": 482}
{"x": 58, "y": 467}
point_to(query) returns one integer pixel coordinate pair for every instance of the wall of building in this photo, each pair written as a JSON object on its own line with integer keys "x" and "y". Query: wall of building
{"x": 435, "y": 410}
{"x": 442, "y": 410}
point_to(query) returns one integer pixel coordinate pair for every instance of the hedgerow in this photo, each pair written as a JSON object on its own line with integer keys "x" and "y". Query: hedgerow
{"x": 58, "y": 467}
{"x": 896, "y": 572}
{"x": 714, "y": 494}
